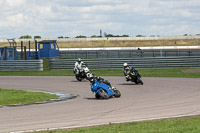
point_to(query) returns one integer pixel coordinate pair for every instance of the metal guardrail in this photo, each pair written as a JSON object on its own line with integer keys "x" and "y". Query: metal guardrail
{"x": 21, "y": 65}
{"x": 172, "y": 62}
{"x": 92, "y": 54}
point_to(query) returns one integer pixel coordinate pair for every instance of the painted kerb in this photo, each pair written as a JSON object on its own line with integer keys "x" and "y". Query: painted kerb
{"x": 172, "y": 62}
{"x": 21, "y": 65}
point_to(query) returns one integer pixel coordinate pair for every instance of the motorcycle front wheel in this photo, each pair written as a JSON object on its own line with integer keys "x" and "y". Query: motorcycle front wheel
{"x": 140, "y": 81}
{"x": 117, "y": 93}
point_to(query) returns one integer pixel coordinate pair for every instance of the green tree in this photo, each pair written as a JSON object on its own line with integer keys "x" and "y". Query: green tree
{"x": 25, "y": 37}
{"x": 36, "y": 37}
{"x": 109, "y": 35}
{"x": 81, "y": 36}
{"x": 140, "y": 36}
{"x": 95, "y": 36}
{"x": 125, "y": 35}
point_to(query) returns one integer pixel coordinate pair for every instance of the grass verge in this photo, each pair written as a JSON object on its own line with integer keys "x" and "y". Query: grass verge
{"x": 11, "y": 97}
{"x": 118, "y": 43}
{"x": 167, "y": 72}
{"x": 181, "y": 125}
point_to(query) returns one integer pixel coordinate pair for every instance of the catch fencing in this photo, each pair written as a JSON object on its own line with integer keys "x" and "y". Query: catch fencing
{"x": 102, "y": 54}
{"x": 112, "y": 63}
{"x": 21, "y": 65}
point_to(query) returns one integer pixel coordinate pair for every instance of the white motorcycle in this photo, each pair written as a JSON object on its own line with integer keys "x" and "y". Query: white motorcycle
{"x": 81, "y": 74}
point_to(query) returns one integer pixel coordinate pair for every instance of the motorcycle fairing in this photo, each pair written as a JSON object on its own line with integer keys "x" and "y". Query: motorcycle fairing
{"x": 96, "y": 87}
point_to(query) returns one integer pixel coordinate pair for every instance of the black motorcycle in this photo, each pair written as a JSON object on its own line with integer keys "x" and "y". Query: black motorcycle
{"x": 135, "y": 76}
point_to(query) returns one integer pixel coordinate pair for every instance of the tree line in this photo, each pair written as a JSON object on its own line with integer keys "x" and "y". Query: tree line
{"x": 93, "y": 36}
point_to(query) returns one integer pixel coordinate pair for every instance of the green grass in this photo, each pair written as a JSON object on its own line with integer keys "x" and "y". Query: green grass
{"x": 182, "y": 125}
{"x": 118, "y": 43}
{"x": 128, "y": 43}
{"x": 10, "y": 97}
{"x": 158, "y": 72}
{"x": 168, "y": 72}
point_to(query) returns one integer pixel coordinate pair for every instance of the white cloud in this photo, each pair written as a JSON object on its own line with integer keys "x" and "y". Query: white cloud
{"x": 68, "y": 18}
{"x": 13, "y": 3}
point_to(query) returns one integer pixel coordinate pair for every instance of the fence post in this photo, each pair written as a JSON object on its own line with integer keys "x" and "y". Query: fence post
{"x": 29, "y": 44}
{"x": 5, "y": 53}
{"x": 15, "y": 53}
{"x": 21, "y": 49}
{"x": 178, "y": 53}
{"x": 87, "y": 54}
{"x": 190, "y": 52}
{"x": 160, "y": 53}
{"x": 36, "y": 52}
{"x": 76, "y": 54}
{"x": 141, "y": 53}
{"x": 97, "y": 54}
{"x": 25, "y": 54}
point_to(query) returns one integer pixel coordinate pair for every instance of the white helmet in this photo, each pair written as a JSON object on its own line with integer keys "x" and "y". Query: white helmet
{"x": 125, "y": 64}
{"x": 79, "y": 60}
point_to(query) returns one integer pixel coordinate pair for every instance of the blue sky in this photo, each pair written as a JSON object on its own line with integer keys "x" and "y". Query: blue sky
{"x": 53, "y": 18}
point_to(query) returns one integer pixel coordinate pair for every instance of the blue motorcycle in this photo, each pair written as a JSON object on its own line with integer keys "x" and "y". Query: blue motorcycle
{"x": 102, "y": 88}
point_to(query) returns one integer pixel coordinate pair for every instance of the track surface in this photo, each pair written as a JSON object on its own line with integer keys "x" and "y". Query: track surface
{"x": 157, "y": 98}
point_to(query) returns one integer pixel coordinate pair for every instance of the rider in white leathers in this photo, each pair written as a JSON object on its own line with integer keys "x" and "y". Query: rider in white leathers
{"x": 78, "y": 66}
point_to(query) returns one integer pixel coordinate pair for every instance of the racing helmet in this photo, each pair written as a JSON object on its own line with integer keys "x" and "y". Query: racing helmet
{"x": 79, "y": 60}
{"x": 125, "y": 65}
{"x": 91, "y": 77}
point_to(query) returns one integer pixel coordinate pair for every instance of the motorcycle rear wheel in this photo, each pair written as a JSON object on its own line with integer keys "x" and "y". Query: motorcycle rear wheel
{"x": 78, "y": 78}
{"x": 102, "y": 94}
{"x": 97, "y": 96}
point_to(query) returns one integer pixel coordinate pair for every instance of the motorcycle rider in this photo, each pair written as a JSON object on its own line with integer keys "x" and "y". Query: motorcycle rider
{"x": 126, "y": 70}
{"x": 91, "y": 77}
{"x": 78, "y": 66}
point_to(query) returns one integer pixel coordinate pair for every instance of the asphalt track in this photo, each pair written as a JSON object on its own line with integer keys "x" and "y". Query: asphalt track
{"x": 158, "y": 98}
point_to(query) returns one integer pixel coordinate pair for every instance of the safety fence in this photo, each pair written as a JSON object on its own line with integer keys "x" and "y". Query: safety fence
{"x": 21, "y": 65}
{"x": 98, "y": 54}
{"x": 112, "y": 63}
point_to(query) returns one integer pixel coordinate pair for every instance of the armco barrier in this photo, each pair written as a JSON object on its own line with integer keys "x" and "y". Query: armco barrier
{"x": 92, "y": 54}
{"x": 21, "y": 65}
{"x": 172, "y": 62}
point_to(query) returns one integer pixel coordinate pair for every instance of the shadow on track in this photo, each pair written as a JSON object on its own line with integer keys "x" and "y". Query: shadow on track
{"x": 91, "y": 98}
{"x": 79, "y": 81}
{"x": 127, "y": 84}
